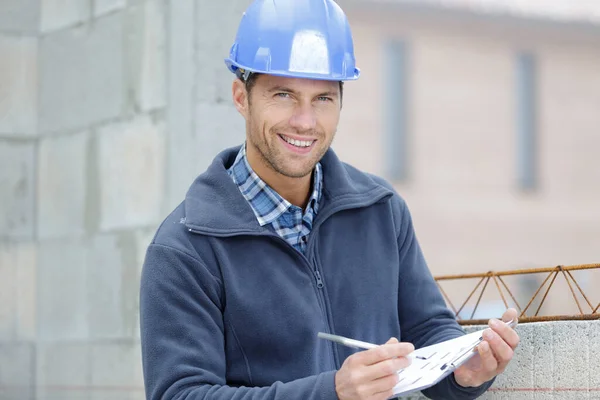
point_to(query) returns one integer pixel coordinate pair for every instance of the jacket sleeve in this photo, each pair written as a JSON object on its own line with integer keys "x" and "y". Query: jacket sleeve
{"x": 182, "y": 336}
{"x": 424, "y": 317}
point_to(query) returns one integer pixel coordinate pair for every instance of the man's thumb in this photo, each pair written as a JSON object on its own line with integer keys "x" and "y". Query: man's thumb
{"x": 392, "y": 340}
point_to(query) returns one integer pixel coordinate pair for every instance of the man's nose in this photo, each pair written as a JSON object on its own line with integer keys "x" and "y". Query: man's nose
{"x": 304, "y": 118}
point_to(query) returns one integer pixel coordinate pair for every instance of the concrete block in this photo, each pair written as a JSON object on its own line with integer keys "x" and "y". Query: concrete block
{"x": 26, "y": 291}
{"x": 131, "y": 169}
{"x": 8, "y": 306}
{"x": 213, "y": 82}
{"x": 59, "y": 14}
{"x": 218, "y": 126}
{"x": 146, "y": 54}
{"x": 114, "y": 290}
{"x": 571, "y": 359}
{"x": 62, "y": 290}
{"x": 82, "y": 78}
{"x": 543, "y": 366}
{"x": 18, "y": 84}
{"x": 63, "y": 371}
{"x": 519, "y": 373}
{"x": 594, "y": 339}
{"x": 17, "y": 291}
{"x": 117, "y": 366}
{"x": 19, "y": 16}
{"x": 102, "y": 7}
{"x": 17, "y": 190}
{"x": 143, "y": 237}
{"x": 62, "y": 185}
{"x": 180, "y": 110}
{"x": 17, "y": 371}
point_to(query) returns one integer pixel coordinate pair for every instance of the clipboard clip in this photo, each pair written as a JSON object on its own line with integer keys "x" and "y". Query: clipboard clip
{"x": 469, "y": 352}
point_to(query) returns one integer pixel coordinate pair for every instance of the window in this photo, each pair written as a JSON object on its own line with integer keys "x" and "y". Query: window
{"x": 526, "y": 122}
{"x": 395, "y": 113}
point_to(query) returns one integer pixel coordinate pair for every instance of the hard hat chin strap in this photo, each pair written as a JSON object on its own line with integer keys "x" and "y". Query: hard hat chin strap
{"x": 243, "y": 74}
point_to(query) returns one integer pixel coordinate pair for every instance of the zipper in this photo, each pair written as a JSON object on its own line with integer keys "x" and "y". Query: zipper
{"x": 324, "y": 215}
{"x": 318, "y": 277}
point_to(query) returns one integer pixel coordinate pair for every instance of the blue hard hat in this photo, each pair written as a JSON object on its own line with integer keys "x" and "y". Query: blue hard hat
{"x": 294, "y": 38}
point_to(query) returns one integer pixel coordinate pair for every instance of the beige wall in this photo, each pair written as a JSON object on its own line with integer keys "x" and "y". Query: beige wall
{"x": 468, "y": 210}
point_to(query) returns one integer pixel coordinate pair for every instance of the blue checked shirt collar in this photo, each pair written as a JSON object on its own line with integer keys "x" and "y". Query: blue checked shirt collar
{"x": 288, "y": 220}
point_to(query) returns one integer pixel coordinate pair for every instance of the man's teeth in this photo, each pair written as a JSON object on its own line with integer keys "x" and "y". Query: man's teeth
{"x": 297, "y": 143}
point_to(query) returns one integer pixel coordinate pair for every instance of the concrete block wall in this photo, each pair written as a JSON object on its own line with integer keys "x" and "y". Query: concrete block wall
{"x": 108, "y": 110}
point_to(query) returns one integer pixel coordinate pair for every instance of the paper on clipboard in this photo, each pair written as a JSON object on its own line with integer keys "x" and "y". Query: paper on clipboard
{"x": 433, "y": 363}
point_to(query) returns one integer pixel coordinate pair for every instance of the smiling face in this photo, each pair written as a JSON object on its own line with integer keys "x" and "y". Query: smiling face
{"x": 290, "y": 124}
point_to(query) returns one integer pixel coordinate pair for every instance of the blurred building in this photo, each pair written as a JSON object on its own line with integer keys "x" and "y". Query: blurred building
{"x": 486, "y": 116}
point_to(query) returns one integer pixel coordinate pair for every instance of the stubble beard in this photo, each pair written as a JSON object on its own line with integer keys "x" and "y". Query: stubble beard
{"x": 277, "y": 161}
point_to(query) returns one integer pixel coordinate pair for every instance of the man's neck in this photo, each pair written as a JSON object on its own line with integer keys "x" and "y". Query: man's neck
{"x": 295, "y": 190}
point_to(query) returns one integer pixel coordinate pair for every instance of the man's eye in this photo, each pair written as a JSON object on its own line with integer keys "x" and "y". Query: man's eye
{"x": 282, "y": 94}
{"x": 324, "y": 98}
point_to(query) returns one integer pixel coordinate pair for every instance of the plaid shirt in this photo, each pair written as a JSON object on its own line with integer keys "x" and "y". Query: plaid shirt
{"x": 288, "y": 220}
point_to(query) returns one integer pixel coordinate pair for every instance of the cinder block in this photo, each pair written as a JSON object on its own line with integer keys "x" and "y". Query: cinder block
{"x": 180, "y": 110}
{"x": 519, "y": 374}
{"x": 117, "y": 366}
{"x": 131, "y": 169}
{"x": 113, "y": 296}
{"x": 571, "y": 359}
{"x": 18, "y": 84}
{"x": 17, "y": 171}
{"x": 219, "y": 126}
{"x": 102, "y": 7}
{"x": 17, "y": 371}
{"x": 62, "y": 185}
{"x": 82, "y": 78}
{"x": 26, "y": 291}
{"x": 58, "y": 14}
{"x": 543, "y": 366}
{"x": 594, "y": 370}
{"x": 62, "y": 290}
{"x": 143, "y": 237}
{"x": 146, "y": 54}
{"x": 17, "y": 291}
{"x": 213, "y": 78}
{"x": 19, "y": 16}
{"x": 63, "y": 371}
{"x": 8, "y": 306}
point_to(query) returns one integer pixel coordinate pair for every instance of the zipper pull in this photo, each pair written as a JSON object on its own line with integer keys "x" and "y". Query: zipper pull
{"x": 319, "y": 280}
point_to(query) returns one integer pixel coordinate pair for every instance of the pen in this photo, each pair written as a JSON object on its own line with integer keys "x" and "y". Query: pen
{"x": 357, "y": 344}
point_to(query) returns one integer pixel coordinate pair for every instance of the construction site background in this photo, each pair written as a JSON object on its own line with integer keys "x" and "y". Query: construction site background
{"x": 483, "y": 114}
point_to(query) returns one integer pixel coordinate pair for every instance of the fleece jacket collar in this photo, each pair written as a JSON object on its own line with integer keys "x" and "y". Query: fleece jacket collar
{"x": 215, "y": 206}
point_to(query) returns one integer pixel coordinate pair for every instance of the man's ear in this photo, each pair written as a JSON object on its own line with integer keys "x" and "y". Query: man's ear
{"x": 240, "y": 97}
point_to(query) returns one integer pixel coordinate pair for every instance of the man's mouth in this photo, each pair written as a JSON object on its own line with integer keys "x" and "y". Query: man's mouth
{"x": 298, "y": 143}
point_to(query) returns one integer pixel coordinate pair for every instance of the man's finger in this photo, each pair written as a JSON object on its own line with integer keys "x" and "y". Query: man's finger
{"x": 488, "y": 361}
{"x": 385, "y": 368}
{"x": 500, "y": 349}
{"x": 505, "y": 332}
{"x": 385, "y": 352}
{"x": 510, "y": 315}
{"x": 383, "y": 384}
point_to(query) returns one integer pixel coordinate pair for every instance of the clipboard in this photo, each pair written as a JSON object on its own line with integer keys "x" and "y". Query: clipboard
{"x": 429, "y": 365}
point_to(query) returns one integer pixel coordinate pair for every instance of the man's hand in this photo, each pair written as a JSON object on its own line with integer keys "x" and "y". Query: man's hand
{"x": 372, "y": 374}
{"x": 494, "y": 353}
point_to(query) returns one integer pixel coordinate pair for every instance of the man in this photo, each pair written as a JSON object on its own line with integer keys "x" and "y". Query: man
{"x": 279, "y": 240}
